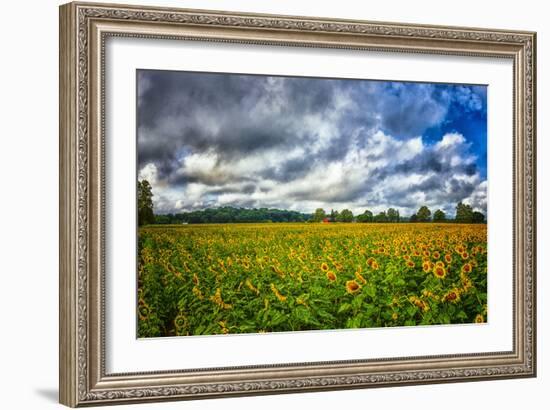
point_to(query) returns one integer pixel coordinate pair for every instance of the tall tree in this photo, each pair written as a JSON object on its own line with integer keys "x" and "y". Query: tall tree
{"x": 413, "y": 218}
{"x": 439, "y": 216}
{"x": 319, "y": 215}
{"x": 365, "y": 216}
{"x": 464, "y": 213}
{"x": 478, "y": 217}
{"x": 393, "y": 215}
{"x": 423, "y": 214}
{"x": 381, "y": 217}
{"x": 145, "y": 203}
{"x": 345, "y": 216}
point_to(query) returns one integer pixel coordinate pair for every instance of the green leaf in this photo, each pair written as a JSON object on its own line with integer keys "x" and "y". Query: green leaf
{"x": 344, "y": 307}
{"x": 354, "y": 322}
{"x": 462, "y": 315}
{"x": 370, "y": 290}
{"x": 357, "y": 302}
{"x": 277, "y": 318}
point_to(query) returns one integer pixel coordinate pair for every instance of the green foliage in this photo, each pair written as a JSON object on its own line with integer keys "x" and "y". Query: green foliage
{"x": 439, "y": 216}
{"x": 234, "y": 215}
{"x": 423, "y": 214}
{"x": 464, "y": 213}
{"x": 393, "y": 215}
{"x": 365, "y": 217}
{"x": 145, "y": 203}
{"x": 319, "y": 215}
{"x": 478, "y": 217}
{"x": 381, "y": 217}
{"x": 345, "y": 216}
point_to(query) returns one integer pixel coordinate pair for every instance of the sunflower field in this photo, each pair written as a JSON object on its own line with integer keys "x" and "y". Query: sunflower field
{"x": 254, "y": 278}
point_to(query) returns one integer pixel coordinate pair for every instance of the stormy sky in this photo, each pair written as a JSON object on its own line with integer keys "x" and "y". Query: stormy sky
{"x": 208, "y": 140}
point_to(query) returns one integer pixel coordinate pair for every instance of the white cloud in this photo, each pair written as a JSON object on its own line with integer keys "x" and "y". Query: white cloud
{"x": 377, "y": 172}
{"x": 450, "y": 140}
{"x": 478, "y": 198}
{"x": 149, "y": 172}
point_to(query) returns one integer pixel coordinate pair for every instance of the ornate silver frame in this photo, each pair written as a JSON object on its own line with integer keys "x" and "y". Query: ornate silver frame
{"x": 83, "y": 30}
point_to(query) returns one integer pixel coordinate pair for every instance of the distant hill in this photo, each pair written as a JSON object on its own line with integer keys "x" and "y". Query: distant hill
{"x": 232, "y": 215}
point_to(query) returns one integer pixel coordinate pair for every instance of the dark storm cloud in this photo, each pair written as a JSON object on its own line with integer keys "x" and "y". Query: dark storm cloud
{"x": 298, "y": 143}
{"x": 410, "y": 110}
{"x": 288, "y": 170}
{"x": 244, "y": 189}
{"x": 232, "y": 115}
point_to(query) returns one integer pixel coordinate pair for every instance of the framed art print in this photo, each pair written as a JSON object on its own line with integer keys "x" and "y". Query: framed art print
{"x": 259, "y": 204}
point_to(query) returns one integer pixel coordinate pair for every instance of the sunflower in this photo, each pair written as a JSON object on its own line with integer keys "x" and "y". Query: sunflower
{"x": 427, "y": 293}
{"x": 197, "y": 292}
{"x": 419, "y": 303}
{"x": 195, "y": 279}
{"x": 410, "y": 264}
{"x": 426, "y": 267}
{"x": 217, "y": 299}
{"x": 324, "y": 267}
{"x": 250, "y": 286}
{"x": 374, "y": 265}
{"x": 277, "y": 270}
{"x": 224, "y": 329}
{"x": 360, "y": 277}
{"x": 143, "y": 311}
{"x": 278, "y": 294}
{"x": 331, "y": 276}
{"x": 440, "y": 264}
{"x": 394, "y": 316}
{"x": 466, "y": 284}
{"x": 439, "y": 272}
{"x": 448, "y": 258}
{"x": 370, "y": 261}
{"x": 465, "y": 255}
{"x": 467, "y": 268}
{"x": 479, "y": 319}
{"x": 180, "y": 322}
{"x": 436, "y": 255}
{"x": 352, "y": 286}
{"x": 451, "y": 296}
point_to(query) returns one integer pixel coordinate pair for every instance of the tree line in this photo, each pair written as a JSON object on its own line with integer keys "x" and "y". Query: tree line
{"x": 229, "y": 214}
{"x": 464, "y": 214}
{"x": 146, "y": 215}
